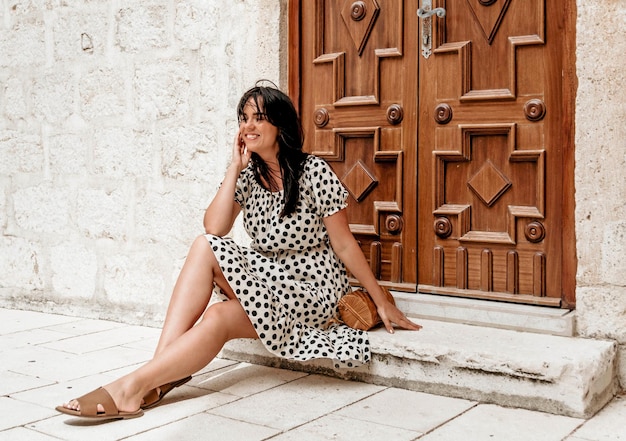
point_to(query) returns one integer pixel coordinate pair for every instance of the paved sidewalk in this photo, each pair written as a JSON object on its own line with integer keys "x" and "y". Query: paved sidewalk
{"x": 47, "y": 359}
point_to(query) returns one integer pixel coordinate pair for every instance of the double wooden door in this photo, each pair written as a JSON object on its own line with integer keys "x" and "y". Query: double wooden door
{"x": 451, "y": 134}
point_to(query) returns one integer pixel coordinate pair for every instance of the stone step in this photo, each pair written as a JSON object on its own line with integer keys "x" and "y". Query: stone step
{"x": 550, "y": 373}
{"x": 528, "y": 318}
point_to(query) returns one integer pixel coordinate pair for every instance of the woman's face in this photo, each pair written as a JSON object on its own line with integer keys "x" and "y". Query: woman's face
{"x": 259, "y": 135}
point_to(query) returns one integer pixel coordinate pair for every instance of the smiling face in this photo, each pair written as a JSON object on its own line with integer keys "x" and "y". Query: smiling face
{"x": 259, "y": 135}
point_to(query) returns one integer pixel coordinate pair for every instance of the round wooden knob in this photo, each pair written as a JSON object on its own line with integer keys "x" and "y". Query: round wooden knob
{"x": 394, "y": 223}
{"x": 535, "y": 232}
{"x": 535, "y": 110}
{"x": 358, "y": 11}
{"x": 443, "y": 227}
{"x": 443, "y": 113}
{"x": 395, "y": 114}
{"x": 321, "y": 117}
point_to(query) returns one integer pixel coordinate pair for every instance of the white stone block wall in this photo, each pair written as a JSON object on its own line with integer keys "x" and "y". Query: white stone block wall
{"x": 601, "y": 173}
{"x": 116, "y": 120}
{"x": 116, "y": 126}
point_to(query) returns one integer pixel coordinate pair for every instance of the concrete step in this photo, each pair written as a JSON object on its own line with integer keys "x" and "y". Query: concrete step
{"x": 550, "y": 373}
{"x": 518, "y": 317}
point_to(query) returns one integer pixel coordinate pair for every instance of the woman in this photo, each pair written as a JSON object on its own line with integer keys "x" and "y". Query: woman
{"x": 283, "y": 290}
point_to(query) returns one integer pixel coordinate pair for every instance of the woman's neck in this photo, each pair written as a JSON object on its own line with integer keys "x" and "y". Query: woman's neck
{"x": 274, "y": 180}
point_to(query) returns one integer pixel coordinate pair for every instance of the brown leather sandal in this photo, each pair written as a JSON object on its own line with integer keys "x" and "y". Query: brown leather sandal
{"x": 89, "y": 407}
{"x": 152, "y": 398}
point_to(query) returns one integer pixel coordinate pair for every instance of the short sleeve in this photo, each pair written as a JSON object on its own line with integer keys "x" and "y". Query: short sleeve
{"x": 242, "y": 188}
{"x": 328, "y": 192}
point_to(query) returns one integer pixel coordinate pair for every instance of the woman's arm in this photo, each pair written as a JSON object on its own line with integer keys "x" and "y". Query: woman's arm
{"x": 347, "y": 249}
{"x": 221, "y": 213}
{"x": 223, "y": 209}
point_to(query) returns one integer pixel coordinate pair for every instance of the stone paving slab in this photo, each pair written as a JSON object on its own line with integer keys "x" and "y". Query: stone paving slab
{"x": 341, "y": 428}
{"x": 608, "y": 425}
{"x": 244, "y": 379}
{"x": 230, "y": 400}
{"x": 110, "y": 338}
{"x": 205, "y": 426}
{"x": 12, "y": 321}
{"x": 414, "y": 411}
{"x": 490, "y": 422}
{"x": 278, "y": 407}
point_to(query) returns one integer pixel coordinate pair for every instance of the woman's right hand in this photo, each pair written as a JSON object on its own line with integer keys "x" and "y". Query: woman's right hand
{"x": 241, "y": 157}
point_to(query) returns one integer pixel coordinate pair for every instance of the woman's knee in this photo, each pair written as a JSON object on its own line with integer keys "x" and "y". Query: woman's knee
{"x": 230, "y": 317}
{"x": 201, "y": 249}
{"x": 201, "y": 243}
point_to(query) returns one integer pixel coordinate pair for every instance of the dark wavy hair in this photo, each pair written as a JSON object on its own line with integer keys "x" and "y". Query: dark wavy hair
{"x": 281, "y": 113}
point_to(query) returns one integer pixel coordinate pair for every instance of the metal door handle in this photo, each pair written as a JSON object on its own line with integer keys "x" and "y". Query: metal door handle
{"x": 425, "y": 13}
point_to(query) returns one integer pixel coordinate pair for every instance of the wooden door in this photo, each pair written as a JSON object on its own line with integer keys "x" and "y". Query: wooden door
{"x": 357, "y": 85}
{"x": 460, "y": 164}
{"x": 494, "y": 164}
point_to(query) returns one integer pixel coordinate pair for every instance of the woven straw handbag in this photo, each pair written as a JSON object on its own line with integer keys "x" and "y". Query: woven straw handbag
{"x": 358, "y": 310}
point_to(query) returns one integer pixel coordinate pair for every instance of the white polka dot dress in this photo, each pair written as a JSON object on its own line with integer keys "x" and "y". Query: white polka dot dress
{"x": 290, "y": 280}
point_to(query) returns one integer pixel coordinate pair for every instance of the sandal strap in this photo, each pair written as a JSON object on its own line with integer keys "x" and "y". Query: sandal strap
{"x": 89, "y": 403}
{"x": 151, "y": 397}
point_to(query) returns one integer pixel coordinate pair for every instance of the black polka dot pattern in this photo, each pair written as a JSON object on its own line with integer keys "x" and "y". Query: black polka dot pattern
{"x": 289, "y": 280}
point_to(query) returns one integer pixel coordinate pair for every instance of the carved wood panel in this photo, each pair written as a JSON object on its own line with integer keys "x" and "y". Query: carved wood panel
{"x": 357, "y": 81}
{"x": 490, "y": 143}
{"x": 463, "y": 186}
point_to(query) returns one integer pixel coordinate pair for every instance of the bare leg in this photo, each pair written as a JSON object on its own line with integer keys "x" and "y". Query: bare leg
{"x": 185, "y": 348}
{"x": 192, "y": 292}
{"x": 187, "y": 354}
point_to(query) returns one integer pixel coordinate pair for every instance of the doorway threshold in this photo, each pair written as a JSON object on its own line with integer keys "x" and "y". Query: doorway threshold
{"x": 487, "y": 313}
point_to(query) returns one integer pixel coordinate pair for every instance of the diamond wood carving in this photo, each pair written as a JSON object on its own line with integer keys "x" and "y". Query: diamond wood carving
{"x": 359, "y": 181}
{"x": 484, "y": 179}
{"x": 489, "y": 183}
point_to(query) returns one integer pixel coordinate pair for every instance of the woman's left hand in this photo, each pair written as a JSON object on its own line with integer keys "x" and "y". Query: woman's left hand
{"x": 390, "y": 314}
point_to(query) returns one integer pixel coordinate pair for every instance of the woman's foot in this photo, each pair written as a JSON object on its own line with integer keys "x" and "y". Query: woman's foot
{"x": 123, "y": 396}
{"x": 97, "y": 404}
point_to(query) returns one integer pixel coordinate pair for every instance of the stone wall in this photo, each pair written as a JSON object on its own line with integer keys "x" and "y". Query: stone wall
{"x": 116, "y": 121}
{"x": 116, "y": 125}
{"x": 600, "y": 172}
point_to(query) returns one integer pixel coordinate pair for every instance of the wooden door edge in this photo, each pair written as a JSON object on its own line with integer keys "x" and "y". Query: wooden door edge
{"x": 293, "y": 53}
{"x": 569, "y": 260}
